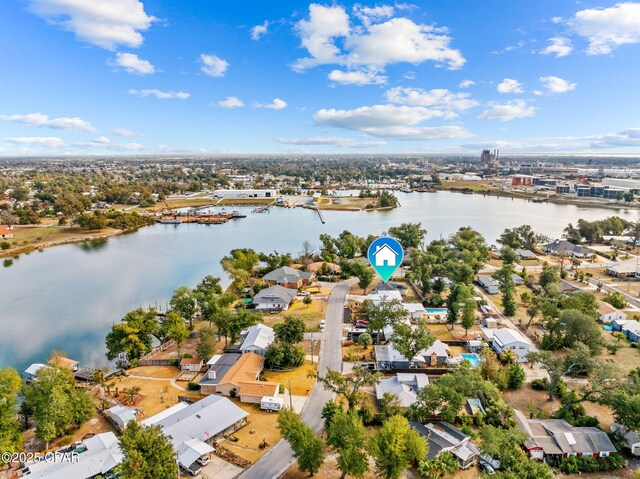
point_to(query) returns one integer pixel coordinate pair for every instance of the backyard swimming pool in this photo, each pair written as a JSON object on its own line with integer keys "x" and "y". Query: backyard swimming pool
{"x": 474, "y": 359}
{"x": 435, "y": 310}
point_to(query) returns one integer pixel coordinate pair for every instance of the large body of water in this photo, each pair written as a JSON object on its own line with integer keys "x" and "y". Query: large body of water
{"x": 67, "y": 297}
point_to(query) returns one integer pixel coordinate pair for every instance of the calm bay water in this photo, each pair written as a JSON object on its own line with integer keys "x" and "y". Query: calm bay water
{"x": 67, "y": 297}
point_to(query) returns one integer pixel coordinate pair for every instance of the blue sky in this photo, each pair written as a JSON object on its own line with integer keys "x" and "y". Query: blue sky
{"x": 158, "y": 76}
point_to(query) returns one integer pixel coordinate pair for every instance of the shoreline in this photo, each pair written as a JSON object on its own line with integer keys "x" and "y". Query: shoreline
{"x": 27, "y": 249}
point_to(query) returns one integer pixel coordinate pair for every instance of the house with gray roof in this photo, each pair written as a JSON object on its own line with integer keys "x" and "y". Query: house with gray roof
{"x": 121, "y": 415}
{"x": 511, "y": 339}
{"x": 445, "y": 437}
{"x": 274, "y": 298}
{"x": 289, "y": 277}
{"x": 564, "y": 247}
{"x": 219, "y": 365}
{"x": 404, "y": 386}
{"x": 555, "y": 439}
{"x": 388, "y": 357}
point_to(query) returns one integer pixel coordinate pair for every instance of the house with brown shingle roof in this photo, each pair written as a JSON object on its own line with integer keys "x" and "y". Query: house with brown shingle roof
{"x": 242, "y": 378}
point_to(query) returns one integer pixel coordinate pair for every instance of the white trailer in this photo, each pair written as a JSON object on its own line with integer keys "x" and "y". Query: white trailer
{"x": 269, "y": 403}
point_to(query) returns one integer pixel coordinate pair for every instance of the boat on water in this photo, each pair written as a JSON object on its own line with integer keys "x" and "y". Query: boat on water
{"x": 237, "y": 214}
{"x": 170, "y": 221}
{"x": 406, "y": 189}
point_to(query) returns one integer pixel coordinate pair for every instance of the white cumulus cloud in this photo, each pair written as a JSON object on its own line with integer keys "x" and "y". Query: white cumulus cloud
{"x": 608, "y": 28}
{"x": 507, "y": 111}
{"x": 357, "y": 77}
{"x": 556, "y": 84}
{"x": 509, "y": 85}
{"x": 558, "y": 46}
{"x": 329, "y": 38}
{"x": 61, "y": 123}
{"x": 213, "y": 65}
{"x": 466, "y": 84}
{"x": 105, "y": 24}
{"x": 276, "y": 104}
{"x": 390, "y": 121}
{"x": 131, "y": 63}
{"x": 231, "y": 102}
{"x": 439, "y": 98}
{"x": 160, "y": 94}
{"x": 259, "y": 30}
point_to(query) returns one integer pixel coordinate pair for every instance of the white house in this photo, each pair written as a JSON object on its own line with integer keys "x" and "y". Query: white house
{"x": 607, "y": 313}
{"x": 121, "y": 415}
{"x": 506, "y": 338}
{"x": 404, "y": 386}
{"x": 631, "y": 438}
{"x": 257, "y": 339}
{"x": 385, "y": 256}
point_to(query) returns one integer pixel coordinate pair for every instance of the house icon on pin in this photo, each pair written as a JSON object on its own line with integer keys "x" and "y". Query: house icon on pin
{"x": 384, "y": 254}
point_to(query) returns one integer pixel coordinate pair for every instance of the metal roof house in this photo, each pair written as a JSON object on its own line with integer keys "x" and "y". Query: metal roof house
{"x": 555, "y": 439}
{"x": 121, "y": 415}
{"x": 404, "y": 386}
{"x": 102, "y": 454}
{"x": 506, "y": 338}
{"x": 191, "y": 427}
{"x": 274, "y": 298}
{"x": 257, "y": 339}
{"x": 489, "y": 284}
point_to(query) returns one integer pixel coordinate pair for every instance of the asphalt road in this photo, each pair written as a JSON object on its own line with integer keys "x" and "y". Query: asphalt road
{"x": 275, "y": 462}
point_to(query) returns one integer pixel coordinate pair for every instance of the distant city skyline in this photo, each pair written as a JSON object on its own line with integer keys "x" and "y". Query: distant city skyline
{"x": 168, "y": 77}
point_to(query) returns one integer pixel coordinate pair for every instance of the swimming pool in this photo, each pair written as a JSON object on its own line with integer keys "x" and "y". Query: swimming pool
{"x": 607, "y": 328}
{"x": 436, "y": 310}
{"x": 474, "y": 359}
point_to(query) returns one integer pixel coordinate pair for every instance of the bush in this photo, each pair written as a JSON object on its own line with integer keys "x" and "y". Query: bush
{"x": 5, "y": 245}
{"x": 516, "y": 376}
{"x": 572, "y": 465}
{"x": 540, "y": 384}
{"x": 233, "y": 393}
{"x": 193, "y": 386}
{"x": 187, "y": 355}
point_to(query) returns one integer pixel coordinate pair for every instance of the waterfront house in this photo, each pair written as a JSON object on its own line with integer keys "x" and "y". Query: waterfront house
{"x": 219, "y": 365}
{"x": 242, "y": 380}
{"x": 489, "y": 284}
{"x": 564, "y": 247}
{"x": 513, "y": 340}
{"x": 404, "y": 386}
{"x": 31, "y": 373}
{"x": 192, "y": 427}
{"x": 97, "y": 456}
{"x": 64, "y": 363}
{"x": 388, "y": 357}
{"x": 555, "y": 439}
{"x": 607, "y": 313}
{"x": 445, "y": 437}
{"x": 289, "y": 277}
{"x": 6, "y": 232}
{"x": 257, "y": 339}
{"x": 192, "y": 365}
{"x": 274, "y": 298}
{"x": 120, "y": 416}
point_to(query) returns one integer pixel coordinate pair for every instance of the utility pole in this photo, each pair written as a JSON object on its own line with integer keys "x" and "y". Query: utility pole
{"x": 290, "y": 397}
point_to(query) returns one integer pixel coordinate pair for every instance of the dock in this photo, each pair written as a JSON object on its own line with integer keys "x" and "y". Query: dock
{"x": 192, "y": 216}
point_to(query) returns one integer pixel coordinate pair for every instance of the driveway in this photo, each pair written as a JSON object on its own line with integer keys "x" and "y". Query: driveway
{"x": 275, "y": 462}
{"x": 218, "y": 468}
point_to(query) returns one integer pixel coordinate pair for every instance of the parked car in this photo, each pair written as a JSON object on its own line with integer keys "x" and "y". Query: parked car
{"x": 486, "y": 467}
{"x": 360, "y": 326}
{"x": 304, "y": 293}
{"x": 194, "y": 469}
{"x": 362, "y": 321}
{"x": 204, "y": 460}
{"x": 491, "y": 461}
{"x": 323, "y": 323}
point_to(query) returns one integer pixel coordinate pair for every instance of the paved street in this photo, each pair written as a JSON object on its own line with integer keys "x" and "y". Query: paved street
{"x": 275, "y": 462}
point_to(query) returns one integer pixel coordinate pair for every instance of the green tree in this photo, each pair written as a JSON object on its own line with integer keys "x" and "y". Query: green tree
{"x": 410, "y": 340}
{"x": 306, "y": 445}
{"x": 240, "y": 320}
{"x": 460, "y": 300}
{"x": 148, "y": 453}
{"x": 363, "y": 272}
{"x": 133, "y": 336}
{"x": 329, "y": 411}
{"x": 350, "y": 387}
{"x": 91, "y": 222}
{"x": 174, "y": 328}
{"x": 206, "y": 347}
{"x": 508, "y": 255}
{"x": 184, "y": 303}
{"x": 240, "y": 264}
{"x": 290, "y": 331}
{"x": 381, "y": 315}
{"x": 348, "y": 438}
{"x": 409, "y": 235}
{"x": 55, "y": 404}
{"x": 365, "y": 340}
{"x": 516, "y": 376}
{"x": 396, "y": 446}
{"x": 10, "y": 431}
{"x": 550, "y": 280}
{"x": 439, "y": 466}
{"x": 616, "y": 300}
{"x": 508, "y": 289}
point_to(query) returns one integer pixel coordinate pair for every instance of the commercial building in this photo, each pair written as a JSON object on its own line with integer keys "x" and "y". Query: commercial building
{"x": 245, "y": 193}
